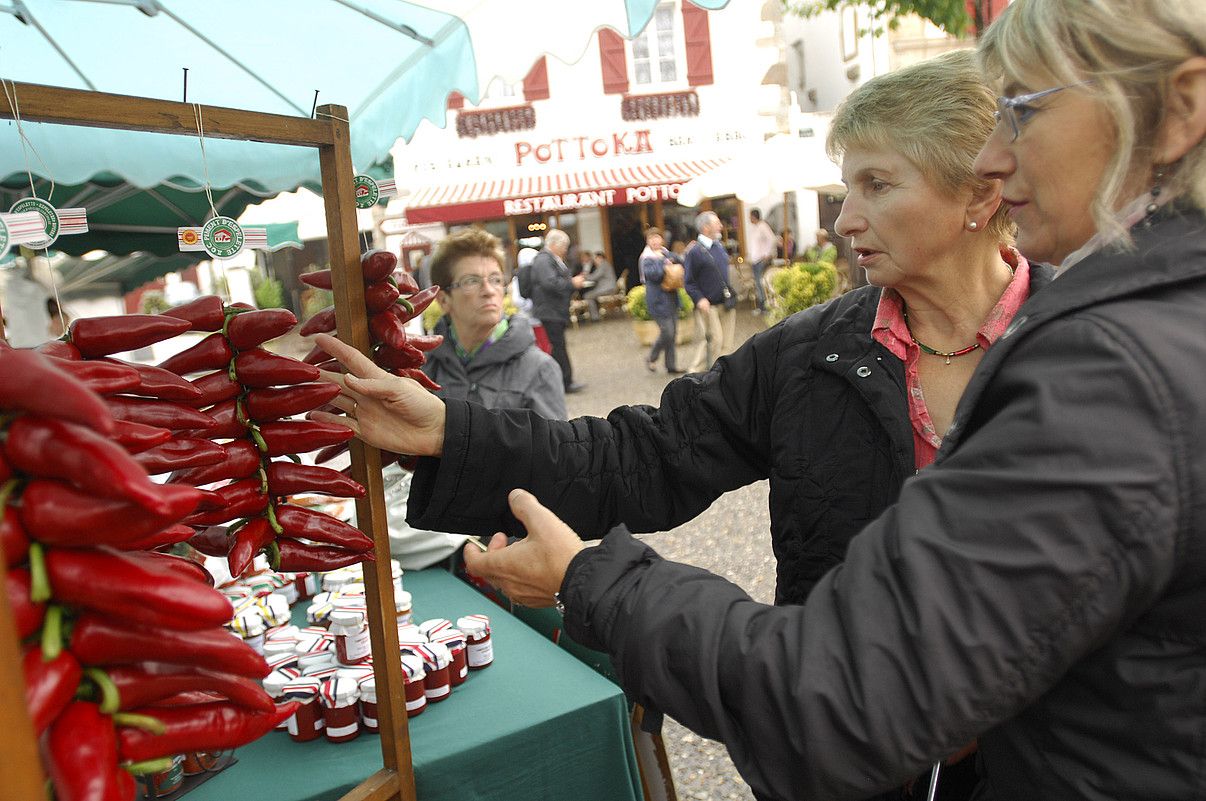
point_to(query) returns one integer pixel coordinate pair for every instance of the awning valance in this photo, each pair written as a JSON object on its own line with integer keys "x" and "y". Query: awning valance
{"x": 548, "y": 193}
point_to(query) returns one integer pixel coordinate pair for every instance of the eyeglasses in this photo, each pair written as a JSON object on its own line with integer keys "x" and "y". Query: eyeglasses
{"x": 471, "y": 283}
{"x": 1017, "y": 110}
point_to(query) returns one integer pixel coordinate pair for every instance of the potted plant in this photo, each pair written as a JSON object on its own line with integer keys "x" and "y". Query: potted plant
{"x": 802, "y": 285}
{"x": 646, "y": 328}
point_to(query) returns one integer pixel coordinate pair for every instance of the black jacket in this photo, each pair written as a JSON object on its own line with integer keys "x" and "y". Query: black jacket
{"x": 552, "y": 288}
{"x": 1042, "y": 587}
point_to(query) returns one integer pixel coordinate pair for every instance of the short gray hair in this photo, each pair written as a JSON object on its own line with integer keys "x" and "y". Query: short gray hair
{"x": 704, "y": 217}
{"x": 557, "y": 237}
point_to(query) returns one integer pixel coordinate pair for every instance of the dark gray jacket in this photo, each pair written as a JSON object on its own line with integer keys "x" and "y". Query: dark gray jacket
{"x": 512, "y": 373}
{"x": 551, "y": 289}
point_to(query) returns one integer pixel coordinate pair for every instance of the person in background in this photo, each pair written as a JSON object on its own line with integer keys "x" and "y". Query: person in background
{"x": 762, "y": 252}
{"x": 823, "y": 249}
{"x": 787, "y": 245}
{"x": 604, "y": 277}
{"x": 524, "y": 258}
{"x": 57, "y": 326}
{"x": 552, "y": 288}
{"x": 662, "y": 304}
{"x": 707, "y": 282}
{"x": 585, "y": 264}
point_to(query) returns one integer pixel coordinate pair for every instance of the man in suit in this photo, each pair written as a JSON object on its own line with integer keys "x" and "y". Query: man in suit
{"x": 552, "y": 287}
{"x": 707, "y": 282}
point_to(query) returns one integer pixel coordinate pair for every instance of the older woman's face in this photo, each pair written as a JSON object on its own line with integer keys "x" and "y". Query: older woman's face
{"x": 474, "y": 307}
{"x": 900, "y": 224}
{"x": 1051, "y": 172}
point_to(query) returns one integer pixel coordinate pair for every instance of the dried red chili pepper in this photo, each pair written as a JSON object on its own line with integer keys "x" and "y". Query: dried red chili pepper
{"x": 155, "y": 382}
{"x": 6, "y": 470}
{"x": 96, "y": 641}
{"x": 164, "y": 414}
{"x": 426, "y": 342}
{"x": 50, "y": 448}
{"x": 417, "y": 303}
{"x": 180, "y": 454}
{"x": 398, "y": 358}
{"x": 13, "y": 537}
{"x": 227, "y": 422}
{"x": 201, "y": 727}
{"x": 59, "y": 514}
{"x": 258, "y": 369}
{"x": 329, "y": 453}
{"x": 420, "y": 376}
{"x": 102, "y": 377}
{"x": 211, "y": 353}
{"x": 27, "y": 613}
{"x": 377, "y": 265}
{"x": 241, "y": 499}
{"x": 317, "y": 356}
{"x": 294, "y": 557}
{"x": 136, "y": 437}
{"x": 169, "y": 536}
{"x": 82, "y": 749}
{"x": 380, "y": 296}
{"x": 306, "y": 524}
{"x": 387, "y": 329}
{"x": 406, "y": 282}
{"x": 300, "y": 436}
{"x": 323, "y": 322}
{"x": 139, "y": 685}
{"x": 101, "y": 336}
{"x": 204, "y": 314}
{"x": 248, "y": 541}
{"x": 183, "y": 567}
{"x": 49, "y": 685}
{"x": 319, "y": 278}
{"x": 134, "y": 589}
{"x": 273, "y": 404}
{"x": 216, "y": 387}
{"x": 60, "y": 350}
{"x": 331, "y": 367}
{"x": 242, "y": 458}
{"x": 33, "y": 383}
{"x": 287, "y": 478}
{"x": 213, "y": 541}
{"x": 254, "y": 328}
{"x": 210, "y": 500}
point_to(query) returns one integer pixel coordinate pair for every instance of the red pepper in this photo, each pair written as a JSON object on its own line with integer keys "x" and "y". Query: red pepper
{"x": 183, "y": 567}
{"x": 82, "y": 750}
{"x": 96, "y": 641}
{"x": 380, "y": 296}
{"x": 59, "y": 514}
{"x": 295, "y": 557}
{"x": 26, "y": 613}
{"x": 214, "y": 541}
{"x": 241, "y": 499}
{"x": 399, "y": 358}
{"x": 331, "y": 367}
{"x": 319, "y": 278}
{"x": 248, "y": 541}
{"x": 241, "y": 460}
{"x": 211, "y": 353}
{"x": 210, "y": 500}
{"x": 180, "y": 454}
{"x": 138, "y": 590}
{"x": 13, "y": 537}
{"x": 49, "y": 685}
{"x": 227, "y": 424}
{"x": 387, "y": 329}
{"x": 323, "y": 322}
{"x": 100, "y": 336}
{"x": 327, "y": 454}
{"x": 317, "y": 356}
{"x": 287, "y": 478}
{"x": 164, "y": 414}
{"x": 139, "y": 685}
{"x": 426, "y": 342}
{"x": 155, "y": 382}
{"x": 406, "y": 282}
{"x": 377, "y": 265}
{"x": 420, "y": 376}
{"x": 418, "y": 302}
{"x": 300, "y": 436}
{"x": 250, "y": 329}
{"x": 204, "y": 314}
{"x": 258, "y": 369}
{"x": 6, "y": 470}
{"x": 216, "y": 387}
{"x": 49, "y": 448}
{"x": 136, "y": 437}
{"x": 169, "y": 536}
{"x": 102, "y": 377}
{"x": 201, "y": 727}
{"x": 60, "y": 350}
{"x": 33, "y": 383}
{"x": 305, "y": 524}
{"x": 273, "y": 404}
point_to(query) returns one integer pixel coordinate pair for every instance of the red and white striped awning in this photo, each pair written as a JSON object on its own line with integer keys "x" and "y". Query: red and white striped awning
{"x": 543, "y": 194}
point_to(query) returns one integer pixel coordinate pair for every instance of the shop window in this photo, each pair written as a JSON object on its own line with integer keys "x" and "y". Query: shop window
{"x": 654, "y": 59}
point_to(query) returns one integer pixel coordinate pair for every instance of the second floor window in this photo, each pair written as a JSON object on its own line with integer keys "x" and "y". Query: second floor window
{"x": 653, "y": 58}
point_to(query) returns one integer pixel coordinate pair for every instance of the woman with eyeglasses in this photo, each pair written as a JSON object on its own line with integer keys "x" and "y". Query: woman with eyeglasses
{"x": 487, "y": 357}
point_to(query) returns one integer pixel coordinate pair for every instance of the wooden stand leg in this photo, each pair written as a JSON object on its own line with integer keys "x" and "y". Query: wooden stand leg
{"x": 657, "y": 782}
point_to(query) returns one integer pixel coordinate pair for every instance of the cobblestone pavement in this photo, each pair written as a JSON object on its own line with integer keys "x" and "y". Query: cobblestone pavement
{"x": 730, "y": 539}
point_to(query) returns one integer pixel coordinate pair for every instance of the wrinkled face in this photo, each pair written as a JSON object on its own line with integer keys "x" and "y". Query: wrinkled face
{"x": 712, "y": 228}
{"x": 1052, "y": 170}
{"x": 474, "y": 308}
{"x": 900, "y": 224}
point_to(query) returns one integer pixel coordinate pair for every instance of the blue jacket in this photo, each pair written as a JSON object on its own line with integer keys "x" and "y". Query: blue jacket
{"x": 661, "y": 303}
{"x": 707, "y": 272}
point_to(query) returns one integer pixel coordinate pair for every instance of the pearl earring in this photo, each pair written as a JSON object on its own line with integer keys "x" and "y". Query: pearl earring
{"x": 971, "y": 226}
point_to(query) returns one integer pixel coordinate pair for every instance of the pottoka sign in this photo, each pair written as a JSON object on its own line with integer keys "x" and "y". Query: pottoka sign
{"x": 583, "y": 200}
{"x": 583, "y": 148}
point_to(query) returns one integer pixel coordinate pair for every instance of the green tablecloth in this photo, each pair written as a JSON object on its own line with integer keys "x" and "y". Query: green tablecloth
{"x": 537, "y": 724}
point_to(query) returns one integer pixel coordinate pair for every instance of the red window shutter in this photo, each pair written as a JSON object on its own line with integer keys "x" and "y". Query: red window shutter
{"x": 614, "y": 58}
{"x": 456, "y": 100}
{"x": 536, "y": 82}
{"x": 699, "y": 45}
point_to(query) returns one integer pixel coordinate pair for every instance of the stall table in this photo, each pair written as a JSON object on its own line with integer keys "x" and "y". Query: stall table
{"x": 537, "y": 724}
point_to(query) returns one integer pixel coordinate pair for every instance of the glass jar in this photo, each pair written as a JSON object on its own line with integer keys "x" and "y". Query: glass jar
{"x": 249, "y": 624}
{"x": 352, "y": 643}
{"x": 454, "y": 641}
{"x": 434, "y": 626}
{"x": 477, "y": 634}
{"x": 415, "y": 671}
{"x": 340, "y": 712}
{"x": 274, "y": 684}
{"x": 403, "y": 608}
{"x": 307, "y": 722}
{"x": 368, "y": 705}
{"x": 436, "y": 658}
{"x": 165, "y": 782}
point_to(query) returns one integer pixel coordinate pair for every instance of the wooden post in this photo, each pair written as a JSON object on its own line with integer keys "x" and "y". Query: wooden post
{"x": 20, "y": 769}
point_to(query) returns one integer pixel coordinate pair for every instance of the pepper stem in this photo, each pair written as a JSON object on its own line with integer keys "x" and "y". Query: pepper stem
{"x": 8, "y": 489}
{"x": 144, "y": 722}
{"x": 259, "y": 438}
{"x": 149, "y": 766}
{"x": 110, "y": 696}
{"x": 39, "y": 584}
{"x": 274, "y": 523}
{"x": 52, "y": 633}
{"x": 406, "y": 304}
{"x": 273, "y": 552}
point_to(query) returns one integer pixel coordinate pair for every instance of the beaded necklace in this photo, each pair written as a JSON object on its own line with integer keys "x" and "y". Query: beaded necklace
{"x": 933, "y": 351}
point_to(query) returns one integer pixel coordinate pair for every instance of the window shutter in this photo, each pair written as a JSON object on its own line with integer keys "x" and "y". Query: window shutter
{"x": 456, "y": 100}
{"x": 699, "y": 45}
{"x": 614, "y": 58}
{"x": 536, "y": 82}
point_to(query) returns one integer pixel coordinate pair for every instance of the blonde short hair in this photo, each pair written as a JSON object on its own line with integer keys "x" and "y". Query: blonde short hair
{"x": 938, "y": 114}
{"x": 1126, "y": 51}
{"x": 470, "y": 242}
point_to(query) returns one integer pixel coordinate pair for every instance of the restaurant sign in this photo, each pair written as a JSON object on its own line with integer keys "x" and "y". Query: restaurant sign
{"x": 566, "y": 201}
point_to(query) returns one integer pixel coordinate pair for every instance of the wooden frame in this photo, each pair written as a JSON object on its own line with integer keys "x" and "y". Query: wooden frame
{"x": 20, "y": 770}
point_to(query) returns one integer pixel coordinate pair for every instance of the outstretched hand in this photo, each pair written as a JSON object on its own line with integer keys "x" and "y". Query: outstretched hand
{"x": 385, "y": 410}
{"x": 531, "y": 570}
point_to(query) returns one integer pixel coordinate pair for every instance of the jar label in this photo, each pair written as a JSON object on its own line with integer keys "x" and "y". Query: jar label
{"x": 464, "y": 671}
{"x": 370, "y": 722}
{"x": 340, "y": 731}
{"x": 358, "y": 646}
{"x": 417, "y": 703}
{"x": 435, "y": 692}
{"x": 481, "y": 653}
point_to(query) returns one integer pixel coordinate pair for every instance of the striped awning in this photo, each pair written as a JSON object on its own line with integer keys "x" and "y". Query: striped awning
{"x": 553, "y": 192}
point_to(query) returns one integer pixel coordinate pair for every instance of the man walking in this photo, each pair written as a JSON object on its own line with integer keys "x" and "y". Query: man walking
{"x": 707, "y": 282}
{"x": 552, "y": 288}
{"x": 762, "y": 250}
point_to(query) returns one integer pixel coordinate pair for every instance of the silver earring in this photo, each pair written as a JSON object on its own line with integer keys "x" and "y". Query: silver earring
{"x": 1157, "y": 180}
{"x": 971, "y": 226}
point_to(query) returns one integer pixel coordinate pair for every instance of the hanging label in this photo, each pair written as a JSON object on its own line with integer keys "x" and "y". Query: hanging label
{"x": 221, "y": 238}
{"x": 55, "y": 222}
{"x": 369, "y": 191}
{"x": 23, "y": 228}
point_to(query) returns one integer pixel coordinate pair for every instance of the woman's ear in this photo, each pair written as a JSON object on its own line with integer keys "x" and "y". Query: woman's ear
{"x": 985, "y": 201}
{"x": 1184, "y": 122}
